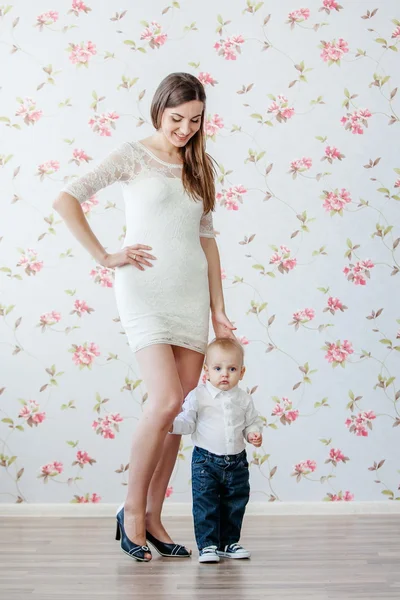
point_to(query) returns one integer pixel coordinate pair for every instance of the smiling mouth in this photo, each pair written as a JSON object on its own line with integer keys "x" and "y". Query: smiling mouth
{"x": 181, "y": 138}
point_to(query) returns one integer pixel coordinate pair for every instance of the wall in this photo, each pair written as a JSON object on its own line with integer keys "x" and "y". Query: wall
{"x": 303, "y": 119}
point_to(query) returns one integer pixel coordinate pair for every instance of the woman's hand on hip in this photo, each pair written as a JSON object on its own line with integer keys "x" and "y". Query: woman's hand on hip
{"x": 135, "y": 255}
{"x": 222, "y": 325}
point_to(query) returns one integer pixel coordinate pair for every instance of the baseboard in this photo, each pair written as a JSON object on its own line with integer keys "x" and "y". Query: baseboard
{"x": 183, "y": 509}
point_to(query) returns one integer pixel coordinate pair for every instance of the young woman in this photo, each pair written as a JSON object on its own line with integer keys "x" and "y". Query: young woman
{"x": 167, "y": 278}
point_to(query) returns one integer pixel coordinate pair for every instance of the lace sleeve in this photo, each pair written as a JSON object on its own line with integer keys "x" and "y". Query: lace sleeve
{"x": 119, "y": 165}
{"x": 206, "y": 226}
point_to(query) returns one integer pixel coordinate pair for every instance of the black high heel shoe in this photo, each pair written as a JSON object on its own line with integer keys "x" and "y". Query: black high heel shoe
{"x": 133, "y": 550}
{"x": 168, "y": 550}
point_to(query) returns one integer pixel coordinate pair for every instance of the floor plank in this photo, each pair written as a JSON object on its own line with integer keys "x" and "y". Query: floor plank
{"x": 293, "y": 558}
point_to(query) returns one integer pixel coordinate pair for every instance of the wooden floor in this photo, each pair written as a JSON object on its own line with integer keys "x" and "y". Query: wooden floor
{"x": 296, "y": 558}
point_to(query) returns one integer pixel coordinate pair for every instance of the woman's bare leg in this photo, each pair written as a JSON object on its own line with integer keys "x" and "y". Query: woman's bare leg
{"x": 188, "y": 364}
{"x": 159, "y": 372}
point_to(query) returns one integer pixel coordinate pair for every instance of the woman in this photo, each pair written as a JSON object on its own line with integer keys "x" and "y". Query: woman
{"x": 167, "y": 278}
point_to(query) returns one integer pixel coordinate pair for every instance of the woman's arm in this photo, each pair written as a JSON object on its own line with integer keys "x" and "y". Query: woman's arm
{"x": 115, "y": 167}
{"x": 71, "y": 211}
{"x": 222, "y": 326}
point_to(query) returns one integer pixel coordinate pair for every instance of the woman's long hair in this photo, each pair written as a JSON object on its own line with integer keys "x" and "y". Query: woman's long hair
{"x": 198, "y": 171}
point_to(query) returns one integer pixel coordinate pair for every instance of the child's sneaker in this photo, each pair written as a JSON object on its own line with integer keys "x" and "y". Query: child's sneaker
{"x": 234, "y": 551}
{"x": 209, "y": 555}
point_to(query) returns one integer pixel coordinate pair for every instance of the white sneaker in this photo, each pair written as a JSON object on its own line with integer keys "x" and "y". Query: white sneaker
{"x": 234, "y": 551}
{"x": 209, "y": 555}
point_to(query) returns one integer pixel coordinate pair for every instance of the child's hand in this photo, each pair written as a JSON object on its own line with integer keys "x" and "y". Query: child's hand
{"x": 255, "y": 439}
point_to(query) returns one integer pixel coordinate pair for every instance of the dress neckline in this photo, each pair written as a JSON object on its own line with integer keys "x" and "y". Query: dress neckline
{"x": 163, "y": 162}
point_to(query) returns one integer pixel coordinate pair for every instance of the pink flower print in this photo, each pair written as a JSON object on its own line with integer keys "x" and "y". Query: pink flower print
{"x": 206, "y": 79}
{"x": 304, "y": 468}
{"x": 231, "y": 196}
{"x": 114, "y": 418}
{"x": 82, "y": 459}
{"x": 243, "y": 340}
{"x": 88, "y": 204}
{"x": 336, "y": 456}
{"x": 333, "y": 51}
{"x": 332, "y": 153}
{"x": 335, "y": 201}
{"x": 79, "y": 6}
{"x": 28, "y": 111}
{"x": 283, "y": 260}
{"x": 229, "y": 48}
{"x": 212, "y": 125}
{"x": 298, "y": 16}
{"x": 81, "y": 308}
{"x": 397, "y": 184}
{"x": 223, "y": 274}
{"x": 203, "y": 379}
{"x": 48, "y": 168}
{"x": 49, "y": 319}
{"x": 359, "y": 424}
{"x": 31, "y": 413}
{"x": 83, "y": 356}
{"x": 346, "y": 497}
{"x": 329, "y": 5}
{"x": 46, "y": 19}
{"x": 334, "y": 304}
{"x": 102, "y": 276}
{"x": 396, "y": 32}
{"x": 101, "y": 123}
{"x": 337, "y": 353}
{"x": 284, "y": 410}
{"x": 169, "y": 491}
{"x": 154, "y": 35}
{"x": 107, "y": 426}
{"x": 51, "y": 470}
{"x": 79, "y": 156}
{"x": 80, "y": 54}
{"x": 280, "y": 109}
{"x": 86, "y": 499}
{"x": 360, "y": 272}
{"x": 356, "y": 120}
{"x": 300, "y": 166}
{"x": 29, "y": 261}
{"x": 302, "y": 316}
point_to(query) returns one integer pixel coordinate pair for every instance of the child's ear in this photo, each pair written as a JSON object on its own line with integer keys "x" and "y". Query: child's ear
{"x": 242, "y": 372}
{"x": 205, "y": 368}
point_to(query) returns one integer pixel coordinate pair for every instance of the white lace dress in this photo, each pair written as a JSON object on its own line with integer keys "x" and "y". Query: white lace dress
{"x": 168, "y": 303}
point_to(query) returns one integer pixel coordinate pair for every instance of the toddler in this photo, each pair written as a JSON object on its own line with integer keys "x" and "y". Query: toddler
{"x": 220, "y": 416}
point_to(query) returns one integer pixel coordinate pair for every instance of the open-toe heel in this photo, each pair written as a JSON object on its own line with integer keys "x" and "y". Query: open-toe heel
{"x": 168, "y": 550}
{"x": 133, "y": 550}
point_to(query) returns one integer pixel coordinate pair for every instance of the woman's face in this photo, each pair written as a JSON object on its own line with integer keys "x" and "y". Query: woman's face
{"x": 182, "y": 122}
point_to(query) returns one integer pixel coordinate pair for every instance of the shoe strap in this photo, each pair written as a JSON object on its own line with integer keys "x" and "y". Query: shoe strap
{"x": 234, "y": 547}
{"x": 209, "y": 550}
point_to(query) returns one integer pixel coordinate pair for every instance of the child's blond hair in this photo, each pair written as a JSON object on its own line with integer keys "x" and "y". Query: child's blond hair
{"x": 226, "y": 344}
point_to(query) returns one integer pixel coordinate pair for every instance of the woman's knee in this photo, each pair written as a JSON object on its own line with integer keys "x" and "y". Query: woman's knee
{"x": 167, "y": 406}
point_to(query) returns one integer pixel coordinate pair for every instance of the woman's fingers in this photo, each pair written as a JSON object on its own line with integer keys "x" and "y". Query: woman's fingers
{"x": 140, "y": 249}
{"x": 137, "y": 256}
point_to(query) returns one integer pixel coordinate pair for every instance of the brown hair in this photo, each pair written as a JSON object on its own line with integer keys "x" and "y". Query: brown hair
{"x": 198, "y": 169}
{"x": 226, "y": 344}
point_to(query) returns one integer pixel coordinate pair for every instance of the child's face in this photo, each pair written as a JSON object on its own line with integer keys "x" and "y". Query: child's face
{"x": 224, "y": 368}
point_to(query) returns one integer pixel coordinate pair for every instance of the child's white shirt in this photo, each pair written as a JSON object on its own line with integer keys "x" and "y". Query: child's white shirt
{"x": 219, "y": 421}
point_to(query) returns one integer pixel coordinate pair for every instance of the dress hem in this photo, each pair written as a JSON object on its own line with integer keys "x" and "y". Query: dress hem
{"x": 168, "y": 343}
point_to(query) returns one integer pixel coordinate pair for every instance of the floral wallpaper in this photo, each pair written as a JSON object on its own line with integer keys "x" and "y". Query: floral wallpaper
{"x": 303, "y": 118}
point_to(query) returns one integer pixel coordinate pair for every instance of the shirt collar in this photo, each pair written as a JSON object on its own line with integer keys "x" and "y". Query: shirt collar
{"x": 214, "y": 391}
